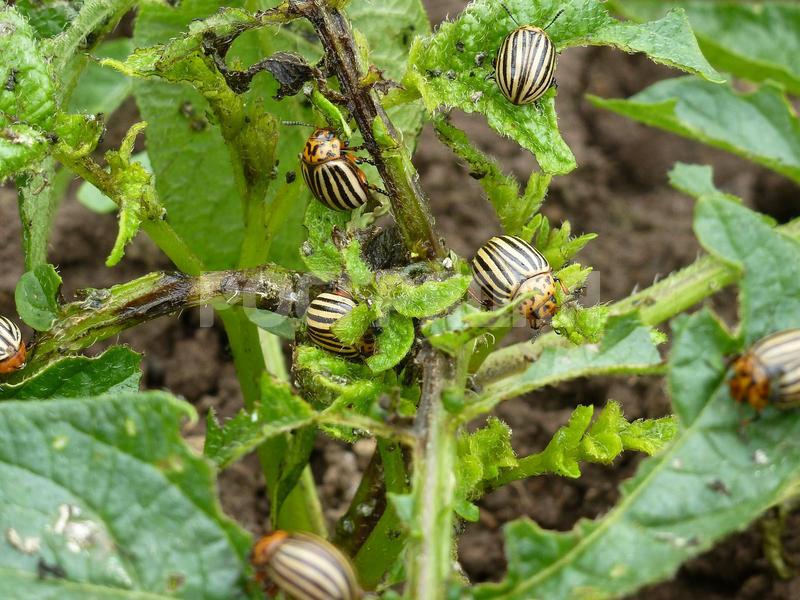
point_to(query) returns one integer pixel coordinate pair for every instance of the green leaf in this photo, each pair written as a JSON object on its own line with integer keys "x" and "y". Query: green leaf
{"x": 581, "y": 325}
{"x": 392, "y": 343}
{"x": 194, "y": 174}
{"x": 696, "y": 492}
{"x": 599, "y": 442}
{"x": 555, "y": 243}
{"x": 770, "y": 289}
{"x": 117, "y": 370}
{"x": 280, "y": 325}
{"x": 138, "y": 198}
{"x": 444, "y": 67}
{"x": 754, "y": 41}
{"x": 27, "y": 103}
{"x": 626, "y": 348}
{"x": 760, "y": 126}
{"x": 693, "y": 180}
{"x": 37, "y": 297}
{"x": 481, "y": 456}
{"x": 357, "y": 269}
{"x": 122, "y": 507}
{"x": 431, "y": 297}
{"x": 321, "y": 255}
{"x": 279, "y": 411}
{"x": 97, "y": 201}
{"x": 48, "y": 18}
{"x": 466, "y": 323}
{"x": 292, "y": 463}
{"x": 101, "y": 89}
{"x": 324, "y": 375}
{"x": 389, "y": 27}
{"x": 351, "y": 328}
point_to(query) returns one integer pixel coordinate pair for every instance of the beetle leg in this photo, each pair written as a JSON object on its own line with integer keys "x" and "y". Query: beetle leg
{"x": 361, "y": 159}
{"x": 561, "y": 283}
{"x": 377, "y": 190}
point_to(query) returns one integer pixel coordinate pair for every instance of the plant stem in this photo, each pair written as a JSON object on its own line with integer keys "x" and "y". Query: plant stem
{"x": 408, "y": 202}
{"x": 430, "y": 547}
{"x": 656, "y": 304}
{"x": 366, "y": 507}
{"x": 382, "y": 547}
{"x": 39, "y": 193}
{"x": 101, "y": 314}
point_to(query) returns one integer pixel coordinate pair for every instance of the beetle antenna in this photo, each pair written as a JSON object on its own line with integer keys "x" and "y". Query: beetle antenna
{"x": 299, "y": 123}
{"x": 509, "y": 12}
{"x": 553, "y": 20}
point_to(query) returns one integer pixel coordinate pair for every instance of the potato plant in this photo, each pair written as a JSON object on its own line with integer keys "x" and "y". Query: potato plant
{"x": 100, "y": 495}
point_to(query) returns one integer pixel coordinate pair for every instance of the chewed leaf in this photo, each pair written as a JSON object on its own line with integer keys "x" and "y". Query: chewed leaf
{"x": 453, "y": 66}
{"x": 760, "y": 126}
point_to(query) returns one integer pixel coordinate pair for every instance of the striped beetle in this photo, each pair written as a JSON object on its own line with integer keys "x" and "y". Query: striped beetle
{"x": 507, "y": 266}
{"x": 12, "y": 348}
{"x": 323, "y": 312}
{"x": 525, "y": 65}
{"x": 305, "y": 567}
{"x": 331, "y": 172}
{"x": 769, "y": 372}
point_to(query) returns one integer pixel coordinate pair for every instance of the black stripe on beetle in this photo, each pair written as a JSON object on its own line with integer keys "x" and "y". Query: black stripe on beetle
{"x": 323, "y": 312}
{"x": 525, "y": 64}
{"x": 506, "y": 266}
{"x": 305, "y": 567}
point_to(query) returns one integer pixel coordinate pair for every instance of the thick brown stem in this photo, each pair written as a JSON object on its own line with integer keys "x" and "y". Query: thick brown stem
{"x": 410, "y": 208}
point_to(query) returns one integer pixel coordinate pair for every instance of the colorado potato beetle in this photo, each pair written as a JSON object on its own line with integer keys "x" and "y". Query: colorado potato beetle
{"x": 525, "y": 65}
{"x": 305, "y": 567}
{"x": 331, "y": 172}
{"x": 12, "y": 349}
{"x": 769, "y": 372}
{"x": 323, "y": 312}
{"x": 507, "y": 266}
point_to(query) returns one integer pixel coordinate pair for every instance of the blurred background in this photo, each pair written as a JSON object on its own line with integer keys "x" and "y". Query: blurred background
{"x": 619, "y": 191}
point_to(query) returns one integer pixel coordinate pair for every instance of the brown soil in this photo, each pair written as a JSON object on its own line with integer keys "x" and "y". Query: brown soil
{"x": 619, "y": 191}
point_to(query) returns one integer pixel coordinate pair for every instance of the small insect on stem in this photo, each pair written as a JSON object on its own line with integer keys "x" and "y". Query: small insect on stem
{"x": 769, "y": 372}
{"x": 13, "y": 352}
{"x": 525, "y": 64}
{"x": 305, "y": 567}
{"x": 506, "y": 267}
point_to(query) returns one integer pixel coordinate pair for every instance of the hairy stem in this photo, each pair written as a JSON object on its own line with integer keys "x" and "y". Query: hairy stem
{"x": 409, "y": 206}
{"x": 431, "y": 542}
{"x": 101, "y": 314}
